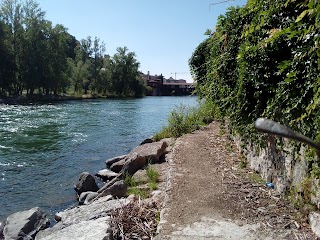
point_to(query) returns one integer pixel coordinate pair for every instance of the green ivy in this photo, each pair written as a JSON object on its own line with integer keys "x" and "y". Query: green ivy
{"x": 262, "y": 60}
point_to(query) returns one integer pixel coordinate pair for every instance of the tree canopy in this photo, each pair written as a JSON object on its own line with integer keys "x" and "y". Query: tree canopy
{"x": 38, "y": 57}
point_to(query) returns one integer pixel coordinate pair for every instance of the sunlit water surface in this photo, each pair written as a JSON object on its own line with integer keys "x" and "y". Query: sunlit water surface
{"x": 45, "y": 147}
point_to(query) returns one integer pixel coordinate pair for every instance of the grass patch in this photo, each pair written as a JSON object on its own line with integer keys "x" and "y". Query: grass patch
{"x": 152, "y": 181}
{"x": 153, "y": 175}
{"x": 130, "y": 182}
{"x": 184, "y": 120}
{"x": 138, "y": 192}
{"x": 153, "y": 178}
{"x": 153, "y": 185}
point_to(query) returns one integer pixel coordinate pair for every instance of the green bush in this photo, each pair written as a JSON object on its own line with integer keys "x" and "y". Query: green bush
{"x": 184, "y": 119}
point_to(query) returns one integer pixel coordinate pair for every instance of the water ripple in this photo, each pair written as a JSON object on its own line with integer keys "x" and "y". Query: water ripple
{"x": 45, "y": 147}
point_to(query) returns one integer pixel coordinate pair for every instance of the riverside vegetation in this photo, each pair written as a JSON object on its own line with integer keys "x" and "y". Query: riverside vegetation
{"x": 58, "y": 63}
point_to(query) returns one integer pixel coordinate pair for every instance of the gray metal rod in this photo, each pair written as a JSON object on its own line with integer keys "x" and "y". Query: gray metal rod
{"x": 268, "y": 126}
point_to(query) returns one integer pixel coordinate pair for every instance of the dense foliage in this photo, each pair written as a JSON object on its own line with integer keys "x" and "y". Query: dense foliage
{"x": 37, "y": 57}
{"x": 262, "y": 60}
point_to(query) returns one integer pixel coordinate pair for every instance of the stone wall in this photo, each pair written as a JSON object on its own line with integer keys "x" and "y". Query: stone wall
{"x": 285, "y": 168}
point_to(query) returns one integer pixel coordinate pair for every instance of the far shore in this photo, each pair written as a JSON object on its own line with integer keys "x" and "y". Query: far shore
{"x": 36, "y": 98}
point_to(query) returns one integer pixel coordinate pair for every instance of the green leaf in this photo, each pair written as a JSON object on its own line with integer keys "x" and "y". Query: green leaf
{"x": 302, "y": 15}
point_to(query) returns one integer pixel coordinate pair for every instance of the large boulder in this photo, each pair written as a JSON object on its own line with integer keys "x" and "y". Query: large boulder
{"x": 150, "y": 151}
{"x": 99, "y": 208}
{"x": 142, "y": 155}
{"x": 25, "y": 224}
{"x": 111, "y": 161}
{"x": 106, "y": 174}
{"x": 133, "y": 164}
{"x": 117, "y": 189}
{"x": 86, "y": 183}
{"x": 117, "y": 166}
{"x": 82, "y": 216}
{"x": 136, "y": 160}
{"x": 92, "y": 229}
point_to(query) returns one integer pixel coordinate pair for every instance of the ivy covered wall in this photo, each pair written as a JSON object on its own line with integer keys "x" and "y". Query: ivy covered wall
{"x": 262, "y": 60}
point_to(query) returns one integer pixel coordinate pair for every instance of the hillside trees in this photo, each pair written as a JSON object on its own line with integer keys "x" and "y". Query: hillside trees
{"x": 263, "y": 60}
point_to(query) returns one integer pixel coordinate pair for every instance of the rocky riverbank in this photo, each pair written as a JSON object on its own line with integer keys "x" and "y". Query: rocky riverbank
{"x": 205, "y": 191}
{"x": 102, "y": 210}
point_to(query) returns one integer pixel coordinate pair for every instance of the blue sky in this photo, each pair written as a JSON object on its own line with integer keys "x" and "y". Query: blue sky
{"x": 162, "y": 33}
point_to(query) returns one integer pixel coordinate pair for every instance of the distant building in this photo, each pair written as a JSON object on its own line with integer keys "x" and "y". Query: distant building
{"x": 160, "y": 86}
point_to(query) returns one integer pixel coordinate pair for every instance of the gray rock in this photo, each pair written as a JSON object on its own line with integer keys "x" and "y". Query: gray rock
{"x": 314, "y": 219}
{"x": 111, "y": 161}
{"x": 87, "y": 197}
{"x": 91, "y": 229}
{"x": 134, "y": 163}
{"x": 150, "y": 151}
{"x": 86, "y": 183}
{"x": 97, "y": 209}
{"x": 140, "y": 176}
{"x": 25, "y": 224}
{"x": 139, "y": 157}
{"x": 107, "y": 174}
{"x": 117, "y": 166}
{"x": 136, "y": 160}
{"x": 118, "y": 189}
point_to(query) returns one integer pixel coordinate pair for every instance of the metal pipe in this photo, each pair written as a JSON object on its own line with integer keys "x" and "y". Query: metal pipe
{"x": 268, "y": 126}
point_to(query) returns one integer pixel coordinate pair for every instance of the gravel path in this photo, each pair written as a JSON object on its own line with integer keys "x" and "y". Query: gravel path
{"x": 210, "y": 197}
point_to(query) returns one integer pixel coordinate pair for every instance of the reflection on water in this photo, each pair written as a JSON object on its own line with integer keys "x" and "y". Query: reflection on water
{"x": 45, "y": 147}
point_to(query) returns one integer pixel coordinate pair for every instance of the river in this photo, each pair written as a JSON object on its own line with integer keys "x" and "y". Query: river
{"x": 45, "y": 147}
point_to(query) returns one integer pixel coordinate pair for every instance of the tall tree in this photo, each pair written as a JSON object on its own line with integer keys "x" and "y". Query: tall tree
{"x": 98, "y": 50}
{"x": 56, "y": 59}
{"x": 126, "y": 80}
{"x": 34, "y": 47}
{"x": 79, "y": 69}
{"x": 7, "y": 63}
{"x": 11, "y": 12}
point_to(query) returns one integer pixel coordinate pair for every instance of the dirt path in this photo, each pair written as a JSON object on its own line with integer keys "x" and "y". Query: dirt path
{"x": 210, "y": 197}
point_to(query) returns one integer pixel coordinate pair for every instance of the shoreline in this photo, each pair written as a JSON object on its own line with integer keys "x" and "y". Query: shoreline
{"x": 73, "y": 215}
{"x": 179, "y": 182}
{"x": 43, "y": 99}
{"x": 61, "y": 98}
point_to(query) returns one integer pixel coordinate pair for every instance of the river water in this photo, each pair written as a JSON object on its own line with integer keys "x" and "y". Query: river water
{"x": 45, "y": 147}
